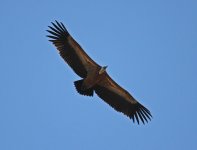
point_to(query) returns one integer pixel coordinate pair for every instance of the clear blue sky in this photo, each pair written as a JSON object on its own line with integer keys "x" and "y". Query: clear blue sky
{"x": 150, "y": 48}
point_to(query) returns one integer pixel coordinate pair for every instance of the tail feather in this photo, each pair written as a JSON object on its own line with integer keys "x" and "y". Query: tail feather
{"x": 78, "y": 85}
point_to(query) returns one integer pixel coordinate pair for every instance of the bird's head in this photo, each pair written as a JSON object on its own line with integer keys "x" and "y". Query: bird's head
{"x": 103, "y": 69}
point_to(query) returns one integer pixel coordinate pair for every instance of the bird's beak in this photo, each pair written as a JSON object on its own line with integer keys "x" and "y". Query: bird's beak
{"x": 105, "y": 67}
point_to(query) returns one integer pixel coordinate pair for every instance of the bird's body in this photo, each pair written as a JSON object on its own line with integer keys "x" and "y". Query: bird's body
{"x": 94, "y": 77}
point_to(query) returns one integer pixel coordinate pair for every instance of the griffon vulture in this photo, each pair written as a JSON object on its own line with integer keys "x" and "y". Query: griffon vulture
{"x": 94, "y": 77}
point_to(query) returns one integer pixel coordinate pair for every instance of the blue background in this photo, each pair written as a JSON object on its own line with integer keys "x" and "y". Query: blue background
{"x": 150, "y": 48}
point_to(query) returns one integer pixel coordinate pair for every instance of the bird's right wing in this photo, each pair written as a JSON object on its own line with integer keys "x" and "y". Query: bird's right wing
{"x": 121, "y": 100}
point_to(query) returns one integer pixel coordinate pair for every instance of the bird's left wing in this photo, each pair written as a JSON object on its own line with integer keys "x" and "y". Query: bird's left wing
{"x": 121, "y": 100}
{"x": 70, "y": 50}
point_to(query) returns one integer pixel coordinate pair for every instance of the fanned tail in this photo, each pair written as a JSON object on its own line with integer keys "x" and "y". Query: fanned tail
{"x": 78, "y": 85}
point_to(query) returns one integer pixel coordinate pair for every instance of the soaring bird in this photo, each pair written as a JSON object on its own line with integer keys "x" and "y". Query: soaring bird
{"x": 94, "y": 78}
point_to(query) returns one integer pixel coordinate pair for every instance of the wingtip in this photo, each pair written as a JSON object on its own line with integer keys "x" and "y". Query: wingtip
{"x": 140, "y": 116}
{"x": 57, "y": 31}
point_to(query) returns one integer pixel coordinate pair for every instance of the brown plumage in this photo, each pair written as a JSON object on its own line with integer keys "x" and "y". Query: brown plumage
{"x": 94, "y": 77}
